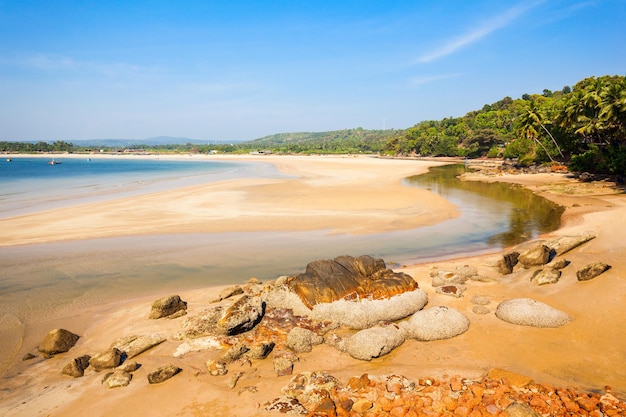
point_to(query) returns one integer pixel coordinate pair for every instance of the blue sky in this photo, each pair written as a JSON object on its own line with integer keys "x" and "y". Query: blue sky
{"x": 240, "y": 70}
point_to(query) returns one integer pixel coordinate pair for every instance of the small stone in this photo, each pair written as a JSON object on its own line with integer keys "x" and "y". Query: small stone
{"x": 76, "y": 367}
{"x": 512, "y": 378}
{"x": 163, "y": 373}
{"x": 520, "y": 410}
{"x": 128, "y": 367}
{"x": 261, "y": 351}
{"x": 283, "y": 366}
{"x": 361, "y": 405}
{"x": 591, "y": 271}
{"x": 216, "y": 368}
{"x": 480, "y": 300}
{"x": 229, "y": 292}
{"x": 233, "y": 381}
{"x": 234, "y": 353}
{"x": 117, "y": 379}
{"x": 28, "y": 356}
{"x": 480, "y": 310}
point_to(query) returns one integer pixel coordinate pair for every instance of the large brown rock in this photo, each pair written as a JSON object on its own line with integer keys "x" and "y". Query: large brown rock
{"x": 58, "y": 341}
{"x": 171, "y": 306}
{"x": 536, "y": 256}
{"x": 163, "y": 373}
{"x": 348, "y": 278}
{"x": 76, "y": 367}
{"x": 110, "y": 358}
{"x": 592, "y": 270}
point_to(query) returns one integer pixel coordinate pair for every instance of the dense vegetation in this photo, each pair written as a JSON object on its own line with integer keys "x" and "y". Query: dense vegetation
{"x": 583, "y": 126}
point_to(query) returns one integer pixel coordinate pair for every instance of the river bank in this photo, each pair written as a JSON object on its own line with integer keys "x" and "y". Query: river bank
{"x": 586, "y": 353}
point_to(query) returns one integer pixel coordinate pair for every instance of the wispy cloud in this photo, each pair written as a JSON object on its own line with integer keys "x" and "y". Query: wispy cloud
{"x": 54, "y": 62}
{"x": 477, "y": 33}
{"x": 417, "y": 81}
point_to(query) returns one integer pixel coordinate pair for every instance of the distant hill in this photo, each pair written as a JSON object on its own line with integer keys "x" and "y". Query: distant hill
{"x": 158, "y": 140}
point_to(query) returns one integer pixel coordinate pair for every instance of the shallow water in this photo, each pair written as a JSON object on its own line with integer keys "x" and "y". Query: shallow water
{"x": 53, "y": 280}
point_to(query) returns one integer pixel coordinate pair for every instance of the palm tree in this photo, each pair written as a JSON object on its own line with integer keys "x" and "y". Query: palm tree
{"x": 530, "y": 121}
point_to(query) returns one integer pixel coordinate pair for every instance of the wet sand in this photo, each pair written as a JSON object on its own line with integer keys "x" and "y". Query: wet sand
{"x": 587, "y": 353}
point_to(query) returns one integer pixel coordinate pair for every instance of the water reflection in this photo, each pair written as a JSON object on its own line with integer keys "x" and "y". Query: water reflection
{"x": 524, "y": 214}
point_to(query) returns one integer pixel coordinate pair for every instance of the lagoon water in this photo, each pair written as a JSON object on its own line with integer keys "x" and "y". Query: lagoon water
{"x": 51, "y": 280}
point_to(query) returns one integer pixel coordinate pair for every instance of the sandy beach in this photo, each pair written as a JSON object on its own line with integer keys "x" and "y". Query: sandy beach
{"x": 356, "y": 195}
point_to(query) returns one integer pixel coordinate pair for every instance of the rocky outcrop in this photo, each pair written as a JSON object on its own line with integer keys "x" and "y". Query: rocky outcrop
{"x": 202, "y": 324}
{"x": 374, "y": 342}
{"x": 529, "y": 312}
{"x": 436, "y": 323}
{"x": 76, "y": 367}
{"x": 535, "y": 256}
{"x": 58, "y": 341}
{"x": 108, "y": 359}
{"x": 348, "y": 278}
{"x": 591, "y": 271}
{"x": 302, "y": 340}
{"x": 163, "y": 373}
{"x": 171, "y": 307}
{"x": 242, "y": 316}
{"x": 134, "y": 345}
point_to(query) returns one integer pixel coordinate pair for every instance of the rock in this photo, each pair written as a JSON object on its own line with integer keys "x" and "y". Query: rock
{"x": 168, "y": 307}
{"x": 529, "y": 312}
{"x": 453, "y": 290}
{"x": 480, "y": 310}
{"x": 507, "y": 263}
{"x": 536, "y": 256}
{"x": 242, "y": 316}
{"x": 234, "y": 379}
{"x": 312, "y": 388}
{"x": 466, "y": 271}
{"x": 261, "y": 351}
{"x": 591, "y": 271}
{"x": 131, "y": 366}
{"x": 110, "y": 358}
{"x": 135, "y": 345}
{"x": 58, "y": 341}
{"x": 202, "y": 324}
{"x": 216, "y": 368}
{"x": 361, "y": 405}
{"x": 442, "y": 278}
{"x": 559, "y": 263}
{"x": 366, "y": 313}
{"x": 234, "y": 353}
{"x": 565, "y": 244}
{"x": 283, "y": 366}
{"x": 548, "y": 275}
{"x": 286, "y": 405}
{"x": 520, "y": 410}
{"x": 117, "y": 379}
{"x": 349, "y": 278}
{"x": 373, "y": 342}
{"x": 163, "y": 373}
{"x": 480, "y": 300}
{"x": 76, "y": 367}
{"x": 302, "y": 340}
{"x": 436, "y": 323}
{"x": 28, "y": 356}
{"x": 228, "y": 292}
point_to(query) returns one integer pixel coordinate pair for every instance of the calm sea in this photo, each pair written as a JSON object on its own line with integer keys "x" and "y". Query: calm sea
{"x": 33, "y": 184}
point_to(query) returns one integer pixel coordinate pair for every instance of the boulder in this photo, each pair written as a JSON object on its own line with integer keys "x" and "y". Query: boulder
{"x": 366, "y": 313}
{"x": 135, "y": 345}
{"x": 163, "y": 373}
{"x": 436, "y": 323}
{"x": 373, "y": 342}
{"x": 529, "y": 312}
{"x": 242, "y": 316}
{"x": 507, "y": 263}
{"x": 348, "y": 278}
{"x": 565, "y": 244}
{"x": 591, "y": 271}
{"x": 110, "y": 358}
{"x": 548, "y": 275}
{"x": 535, "y": 256}
{"x": 171, "y": 307}
{"x": 302, "y": 340}
{"x": 58, "y": 341}
{"x": 76, "y": 367}
{"x": 117, "y": 379}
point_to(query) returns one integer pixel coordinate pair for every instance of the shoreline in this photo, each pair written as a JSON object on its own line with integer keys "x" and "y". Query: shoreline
{"x": 586, "y": 353}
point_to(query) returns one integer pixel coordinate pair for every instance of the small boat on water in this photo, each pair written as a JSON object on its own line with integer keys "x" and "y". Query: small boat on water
{"x": 9, "y": 160}
{"x": 54, "y": 162}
